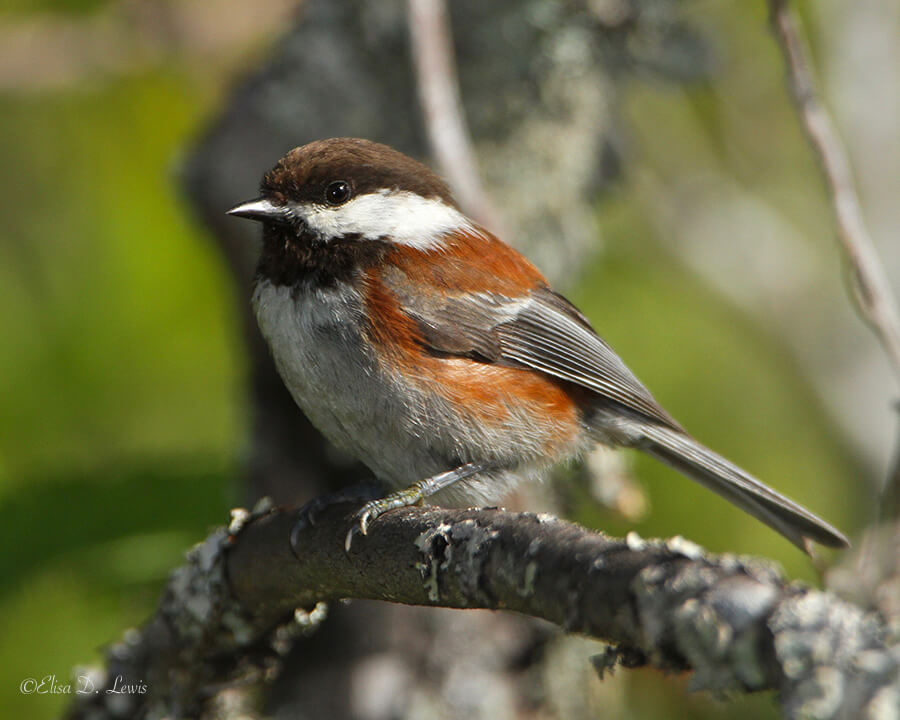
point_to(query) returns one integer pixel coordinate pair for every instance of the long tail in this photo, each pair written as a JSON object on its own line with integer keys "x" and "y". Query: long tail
{"x": 712, "y": 471}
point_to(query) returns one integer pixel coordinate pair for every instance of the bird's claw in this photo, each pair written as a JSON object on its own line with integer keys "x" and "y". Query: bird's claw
{"x": 364, "y": 521}
{"x": 308, "y": 514}
{"x": 361, "y": 520}
{"x": 348, "y": 541}
{"x": 306, "y": 517}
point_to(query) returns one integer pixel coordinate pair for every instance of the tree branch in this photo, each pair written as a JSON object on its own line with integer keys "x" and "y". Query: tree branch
{"x": 735, "y": 622}
{"x": 872, "y": 290}
{"x": 442, "y": 111}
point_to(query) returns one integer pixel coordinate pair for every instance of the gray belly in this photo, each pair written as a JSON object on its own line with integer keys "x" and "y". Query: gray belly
{"x": 330, "y": 372}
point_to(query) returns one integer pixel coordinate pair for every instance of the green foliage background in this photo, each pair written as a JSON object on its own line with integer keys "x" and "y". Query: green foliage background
{"x": 122, "y": 412}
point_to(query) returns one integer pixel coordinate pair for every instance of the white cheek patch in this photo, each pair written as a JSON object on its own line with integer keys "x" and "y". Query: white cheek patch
{"x": 405, "y": 217}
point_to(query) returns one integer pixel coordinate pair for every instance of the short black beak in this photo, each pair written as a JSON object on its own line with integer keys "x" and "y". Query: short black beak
{"x": 260, "y": 209}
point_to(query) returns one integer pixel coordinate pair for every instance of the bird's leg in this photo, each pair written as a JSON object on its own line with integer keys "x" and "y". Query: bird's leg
{"x": 413, "y": 495}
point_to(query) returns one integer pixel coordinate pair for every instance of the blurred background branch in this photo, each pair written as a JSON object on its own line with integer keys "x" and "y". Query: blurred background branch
{"x": 870, "y": 286}
{"x": 48, "y": 51}
{"x": 442, "y": 111}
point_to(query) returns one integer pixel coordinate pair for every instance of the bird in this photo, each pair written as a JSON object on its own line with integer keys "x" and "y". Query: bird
{"x": 440, "y": 356}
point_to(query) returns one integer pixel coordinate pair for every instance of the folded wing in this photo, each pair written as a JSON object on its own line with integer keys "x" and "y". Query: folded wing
{"x": 544, "y": 332}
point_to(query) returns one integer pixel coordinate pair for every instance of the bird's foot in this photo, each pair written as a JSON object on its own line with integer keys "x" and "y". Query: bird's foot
{"x": 306, "y": 515}
{"x": 415, "y": 494}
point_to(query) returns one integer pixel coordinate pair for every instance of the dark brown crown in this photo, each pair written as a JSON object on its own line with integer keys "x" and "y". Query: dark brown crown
{"x": 305, "y": 172}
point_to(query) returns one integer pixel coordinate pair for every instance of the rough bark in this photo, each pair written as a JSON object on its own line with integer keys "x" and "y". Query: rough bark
{"x": 735, "y": 622}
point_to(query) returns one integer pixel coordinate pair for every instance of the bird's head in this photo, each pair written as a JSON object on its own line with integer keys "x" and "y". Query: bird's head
{"x": 347, "y": 188}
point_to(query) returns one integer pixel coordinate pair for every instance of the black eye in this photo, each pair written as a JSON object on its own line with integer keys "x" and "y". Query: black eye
{"x": 337, "y": 192}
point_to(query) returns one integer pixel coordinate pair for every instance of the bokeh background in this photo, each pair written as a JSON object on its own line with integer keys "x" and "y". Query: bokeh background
{"x": 124, "y": 416}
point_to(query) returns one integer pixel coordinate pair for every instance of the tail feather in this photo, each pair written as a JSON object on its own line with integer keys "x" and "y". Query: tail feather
{"x": 714, "y": 472}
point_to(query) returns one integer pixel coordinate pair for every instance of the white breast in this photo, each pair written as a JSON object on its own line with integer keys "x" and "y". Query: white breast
{"x": 315, "y": 338}
{"x": 315, "y": 342}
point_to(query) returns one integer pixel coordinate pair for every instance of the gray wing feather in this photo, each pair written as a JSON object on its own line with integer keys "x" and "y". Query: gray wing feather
{"x": 543, "y": 332}
{"x": 544, "y": 338}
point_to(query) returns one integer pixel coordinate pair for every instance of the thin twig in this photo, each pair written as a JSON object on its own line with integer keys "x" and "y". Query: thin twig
{"x": 445, "y": 123}
{"x": 871, "y": 288}
{"x": 873, "y": 292}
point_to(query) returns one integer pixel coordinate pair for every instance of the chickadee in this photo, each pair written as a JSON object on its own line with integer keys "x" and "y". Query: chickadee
{"x": 437, "y": 354}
